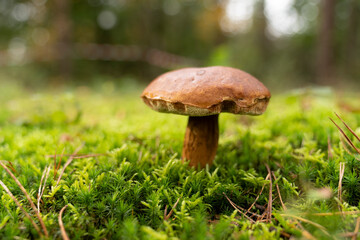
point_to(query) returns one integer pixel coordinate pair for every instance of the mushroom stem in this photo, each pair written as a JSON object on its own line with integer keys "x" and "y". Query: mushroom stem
{"x": 201, "y": 140}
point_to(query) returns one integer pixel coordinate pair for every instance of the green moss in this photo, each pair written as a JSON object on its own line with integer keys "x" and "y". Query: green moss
{"x": 123, "y": 194}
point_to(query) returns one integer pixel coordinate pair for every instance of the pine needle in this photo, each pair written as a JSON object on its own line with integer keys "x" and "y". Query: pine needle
{"x": 42, "y": 187}
{"x": 54, "y": 156}
{"x": 345, "y": 144}
{"x": 349, "y": 128}
{"x": 39, "y": 191}
{"x": 11, "y": 166}
{"x": 305, "y": 233}
{"x": 346, "y": 137}
{"x": 28, "y": 198}
{"x": 322, "y": 228}
{"x": 269, "y": 209}
{"x": 244, "y": 210}
{"x": 172, "y": 210}
{"x": 279, "y": 194}
{"x": 237, "y": 209}
{"x": 330, "y": 150}
{"x": 57, "y": 165}
{"x": 347, "y": 235}
{"x": 78, "y": 156}
{"x": 257, "y": 197}
{"x": 89, "y": 155}
{"x": 22, "y": 209}
{"x": 165, "y": 211}
{"x": 61, "y": 224}
{"x": 343, "y": 213}
{"x": 71, "y": 158}
{"x": 356, "y": 231}
{"x": 341, "y": 176}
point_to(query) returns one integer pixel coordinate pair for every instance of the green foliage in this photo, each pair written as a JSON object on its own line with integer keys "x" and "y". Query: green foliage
{"x": 123, "y": 193}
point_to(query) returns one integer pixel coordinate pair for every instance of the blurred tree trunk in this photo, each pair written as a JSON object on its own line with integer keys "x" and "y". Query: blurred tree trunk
{"x": 260, "y": 24}
{"x": 351, "y": 38}
{"x": 325, "y": 54}
{"x": 63, "y": 44}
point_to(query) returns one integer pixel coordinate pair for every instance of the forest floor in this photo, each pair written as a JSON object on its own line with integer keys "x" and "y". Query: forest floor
{"x": 114, "y": 164}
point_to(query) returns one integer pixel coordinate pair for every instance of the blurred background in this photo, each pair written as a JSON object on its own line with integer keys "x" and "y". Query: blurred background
{"x": 286, "y": 44}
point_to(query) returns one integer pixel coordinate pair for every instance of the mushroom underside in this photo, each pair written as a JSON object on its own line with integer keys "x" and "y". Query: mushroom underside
{"x": 256, "y": 107}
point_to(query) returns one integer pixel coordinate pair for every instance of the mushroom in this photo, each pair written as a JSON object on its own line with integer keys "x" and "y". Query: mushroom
{"x": 201, "y": 94}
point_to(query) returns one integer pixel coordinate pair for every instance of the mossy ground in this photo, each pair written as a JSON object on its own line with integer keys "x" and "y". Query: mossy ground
{"x": 123, "y": 194}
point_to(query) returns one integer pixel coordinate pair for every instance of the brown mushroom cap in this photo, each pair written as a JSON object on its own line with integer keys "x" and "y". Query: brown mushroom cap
{"x": 207, "y": 91}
